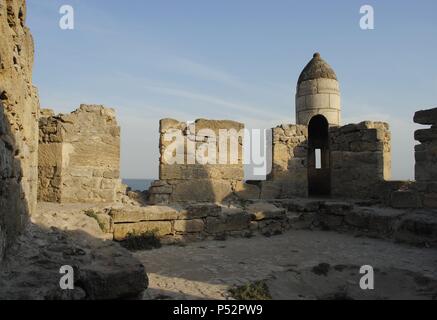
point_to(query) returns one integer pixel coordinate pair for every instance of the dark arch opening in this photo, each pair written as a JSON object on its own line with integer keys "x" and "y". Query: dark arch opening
{"x": 319, "y": 171}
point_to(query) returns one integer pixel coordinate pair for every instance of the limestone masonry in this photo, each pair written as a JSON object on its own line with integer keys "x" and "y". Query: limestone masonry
{"x": 79, "y": 156}
{"x": 289, "y": 162}
{"x": 190, "y": 179}
{"x": 360, "y": 159}
{"x": 19, "y": 106}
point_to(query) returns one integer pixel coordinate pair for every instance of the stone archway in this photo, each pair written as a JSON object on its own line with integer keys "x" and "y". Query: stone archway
{"x": 319, "y": 172}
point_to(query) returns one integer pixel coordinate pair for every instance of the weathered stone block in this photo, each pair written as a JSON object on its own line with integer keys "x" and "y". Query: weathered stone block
{"x": 430, "y": 200}
{"x": 426, "y": 117}
{"x": 359, "y": 218}
{"x": 335, "y": 208}
{"x": 189, "y": 225}
{"x": 237, "y": 221}
{"x": 200, "y": 210}
{"x": 166, "y": 124}
{"x": 123, "y": 230}
{"x": 203, "y": 190}
{"x": 105, "y": 222}
{"x": 335, "y": 101}
{"x": 327, "y": 86}
{"x": 215, "y": 225}
{"x": 247, "y": 191}
{"x": 270, "y": 190}
{"x": 405, "y": 199}
{"x": 303, "y": 205}
{"x": 270, "y": 227}
{"x": 263, "y": 211}
{"x": 307, "y": 88}
{"x": 301, "y": 220}
{"x": 317, "y": 101}
{"x": 426, "y": 135}
{"x": 149, "y": 213}
{"x": 198, "y": 171}
{"x": 162, "y": 189}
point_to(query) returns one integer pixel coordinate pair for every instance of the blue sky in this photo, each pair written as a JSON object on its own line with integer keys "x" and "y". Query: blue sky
{"x": 235, "y": 59}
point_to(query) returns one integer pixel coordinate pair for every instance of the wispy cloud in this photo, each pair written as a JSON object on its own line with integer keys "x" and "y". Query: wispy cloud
{"x": 217, "y": 101}
{"x": 202, "y": 71}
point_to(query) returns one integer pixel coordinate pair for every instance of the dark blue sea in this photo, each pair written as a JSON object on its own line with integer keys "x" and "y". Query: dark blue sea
{"x": 138, "y": 184}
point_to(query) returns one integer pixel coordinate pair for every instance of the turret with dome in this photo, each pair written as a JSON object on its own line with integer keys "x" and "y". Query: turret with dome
{"x": 318, "y": 93}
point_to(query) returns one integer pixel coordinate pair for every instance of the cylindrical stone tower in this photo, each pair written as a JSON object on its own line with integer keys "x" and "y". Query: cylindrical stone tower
{"x": 318, "y": 93}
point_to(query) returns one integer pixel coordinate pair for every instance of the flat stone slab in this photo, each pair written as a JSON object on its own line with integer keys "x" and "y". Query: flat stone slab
{"x": 426, "y": 135}
{"x": 159, "y": 228}
{"x": 426, "y": 117}
{"x": 133, "y": 214}
{"x": 149, "y": 213}
{"x": 263, "y": 210}
{"x": 201, "y": 210}
{"x": 379, "y": 220}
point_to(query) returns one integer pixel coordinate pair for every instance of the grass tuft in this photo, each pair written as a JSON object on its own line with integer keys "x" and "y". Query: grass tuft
{"x": 92, "y": 214}
{"x": 142, "y": 241}
{"x": 257, "y": 290}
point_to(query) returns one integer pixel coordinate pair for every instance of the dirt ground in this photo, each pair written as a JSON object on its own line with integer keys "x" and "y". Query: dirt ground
{"x": 290, "y": 265}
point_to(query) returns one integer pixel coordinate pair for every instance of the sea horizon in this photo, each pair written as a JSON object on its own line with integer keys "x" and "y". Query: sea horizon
{"x": 138, "y": 184}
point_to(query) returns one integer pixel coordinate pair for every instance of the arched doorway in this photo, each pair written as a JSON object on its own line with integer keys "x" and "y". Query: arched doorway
{"x": 319, "y": 172}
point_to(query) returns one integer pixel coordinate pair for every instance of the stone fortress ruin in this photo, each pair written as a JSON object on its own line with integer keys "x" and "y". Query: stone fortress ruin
{"x": 352, "y": 159}
{"x": 318, "y": 166}
{"x": 324, "y": 175}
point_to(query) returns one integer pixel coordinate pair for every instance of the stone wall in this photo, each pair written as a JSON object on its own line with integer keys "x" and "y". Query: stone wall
{"x": 197, "y": 221}
{"x": 426, "y": 158}
{"x": 426, "y": 151}
{"x": 196, "y": 162}
{"x": 79, "y": 156}
{"x": 19, "y": 107}
{"x": 360, "y": 158}
{"x": 289, "y": 175}
{"x": 200, "y": 221}
{"x": 421, "y": 193}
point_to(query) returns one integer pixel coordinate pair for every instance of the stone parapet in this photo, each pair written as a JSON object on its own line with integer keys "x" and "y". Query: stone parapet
{"x": 289, "y": 163}
{"x": 360, "y": 158}
{"x": 199, "y": 161}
